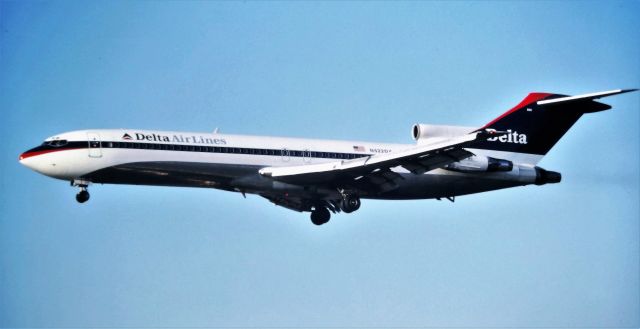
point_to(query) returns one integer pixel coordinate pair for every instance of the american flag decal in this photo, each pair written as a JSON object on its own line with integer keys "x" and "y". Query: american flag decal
{"x": 358, "y": 148}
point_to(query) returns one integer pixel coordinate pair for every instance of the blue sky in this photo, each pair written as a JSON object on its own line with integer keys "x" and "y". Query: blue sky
{"x": 564, "y": 255}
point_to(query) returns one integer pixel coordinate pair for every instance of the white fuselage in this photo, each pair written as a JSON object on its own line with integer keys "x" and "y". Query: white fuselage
{"x": 231, "y": 162}
{"x": 325, "y": 176}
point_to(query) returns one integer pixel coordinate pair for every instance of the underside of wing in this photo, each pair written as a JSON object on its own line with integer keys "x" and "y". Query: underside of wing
{"x": 302, "y": 204}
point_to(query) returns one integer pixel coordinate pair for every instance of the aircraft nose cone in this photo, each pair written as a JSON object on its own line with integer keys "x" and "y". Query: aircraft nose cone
{"x": 26, "y": 160}
{"x": 31, "y": 160}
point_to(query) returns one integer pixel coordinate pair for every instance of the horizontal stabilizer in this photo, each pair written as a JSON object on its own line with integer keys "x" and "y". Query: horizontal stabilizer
{"x": 585, "y": 97}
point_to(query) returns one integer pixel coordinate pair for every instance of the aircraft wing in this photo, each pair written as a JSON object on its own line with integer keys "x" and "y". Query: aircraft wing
{"x": 376, "y": 169}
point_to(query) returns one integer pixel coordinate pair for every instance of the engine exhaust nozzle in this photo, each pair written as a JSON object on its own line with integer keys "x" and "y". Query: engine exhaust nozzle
{"x": 547, "y": 176}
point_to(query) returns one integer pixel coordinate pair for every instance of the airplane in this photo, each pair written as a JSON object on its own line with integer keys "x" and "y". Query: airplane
{"x": 325, "y": 176}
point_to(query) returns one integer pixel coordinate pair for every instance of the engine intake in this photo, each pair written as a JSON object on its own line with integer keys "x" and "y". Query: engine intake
{"x": 421, "y": 131}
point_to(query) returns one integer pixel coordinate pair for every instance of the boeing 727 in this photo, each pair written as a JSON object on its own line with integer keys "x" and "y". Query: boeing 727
{"x": 325, "y": 176}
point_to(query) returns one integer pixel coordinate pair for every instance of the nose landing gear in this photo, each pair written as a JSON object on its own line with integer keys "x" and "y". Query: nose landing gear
{"x": 83, "y": 195}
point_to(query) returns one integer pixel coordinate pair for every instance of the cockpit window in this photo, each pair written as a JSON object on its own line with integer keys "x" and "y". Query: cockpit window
{"x": 56, "y": 142}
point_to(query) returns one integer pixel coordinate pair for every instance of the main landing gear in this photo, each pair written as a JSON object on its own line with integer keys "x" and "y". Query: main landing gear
{"x": 83, "y": 195}
{"x": 321, "y": 214}
{"x": 350, "y": 203}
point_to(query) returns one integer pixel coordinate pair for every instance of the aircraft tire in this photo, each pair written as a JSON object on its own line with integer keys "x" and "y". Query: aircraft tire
{"x": 350, "y": 204}
{"x": 82, "y": 196}
{"x": 320, "y": 216}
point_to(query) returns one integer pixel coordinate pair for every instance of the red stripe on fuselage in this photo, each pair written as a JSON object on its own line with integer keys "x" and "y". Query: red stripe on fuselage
{"x": 36, "y": 153}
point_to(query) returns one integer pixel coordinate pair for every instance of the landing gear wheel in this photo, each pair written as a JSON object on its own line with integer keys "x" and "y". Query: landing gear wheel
{"x": 82, "y": 196}
{"x": 350, "y": 204}
{"x": 320, "y": 216}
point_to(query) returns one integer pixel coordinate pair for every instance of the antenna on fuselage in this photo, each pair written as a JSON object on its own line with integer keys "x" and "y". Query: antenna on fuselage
{"x": 215, "y": 131}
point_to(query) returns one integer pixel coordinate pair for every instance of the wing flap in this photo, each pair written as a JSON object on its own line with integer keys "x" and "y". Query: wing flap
{"x": 296, "y": 204}
{"x": 381, "y": 181}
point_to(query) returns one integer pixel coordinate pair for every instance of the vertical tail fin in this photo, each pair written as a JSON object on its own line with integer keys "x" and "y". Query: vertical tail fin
{"x": 536, "y": 124}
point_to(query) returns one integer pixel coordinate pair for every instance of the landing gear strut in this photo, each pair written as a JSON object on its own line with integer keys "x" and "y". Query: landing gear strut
{"x": 320, "y": 215}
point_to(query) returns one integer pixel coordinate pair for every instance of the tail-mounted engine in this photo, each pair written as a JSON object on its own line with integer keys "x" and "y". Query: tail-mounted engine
{"x": 477, "y": 163}
{"x": 547, "y": 176}
{"x": 421, "y": 132}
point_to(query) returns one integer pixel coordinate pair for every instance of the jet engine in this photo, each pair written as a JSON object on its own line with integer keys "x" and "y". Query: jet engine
{"x": 480, "y": 164}
{"x": 421, "y": 132}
